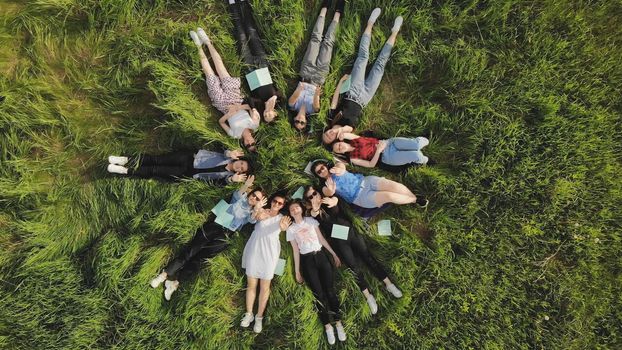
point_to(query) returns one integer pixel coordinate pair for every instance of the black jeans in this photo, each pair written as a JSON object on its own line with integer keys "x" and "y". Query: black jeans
{"x": 249, "y": 43}
{"x": 168, "y": 166}
{"x": 209, "y": 240}
{"x": 317, "y": 271}
{"x": 354, "y": 252}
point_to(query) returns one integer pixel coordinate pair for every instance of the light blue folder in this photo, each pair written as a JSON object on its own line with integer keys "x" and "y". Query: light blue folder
{"x": 258, "y": 77}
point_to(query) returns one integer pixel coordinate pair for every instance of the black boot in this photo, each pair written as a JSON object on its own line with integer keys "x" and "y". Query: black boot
{"x": 340, "y": 7}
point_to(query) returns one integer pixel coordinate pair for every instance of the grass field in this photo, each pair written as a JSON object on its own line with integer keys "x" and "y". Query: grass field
{"x": 519, "y": 248}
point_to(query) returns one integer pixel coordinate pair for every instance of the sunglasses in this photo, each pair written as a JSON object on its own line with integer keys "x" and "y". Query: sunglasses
{"x": 312, "y": 195}
{"x": 300, "y": 122}
{"x": 277, "y": 202}
{"x": 255, "y": 196}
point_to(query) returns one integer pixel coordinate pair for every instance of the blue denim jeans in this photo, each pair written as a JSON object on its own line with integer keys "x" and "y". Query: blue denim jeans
{"x": 363, "y": 89}
{"x": 401, "y": 151}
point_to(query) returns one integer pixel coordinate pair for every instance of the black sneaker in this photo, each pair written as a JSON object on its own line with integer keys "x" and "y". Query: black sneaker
{"x": 422, "y": 202}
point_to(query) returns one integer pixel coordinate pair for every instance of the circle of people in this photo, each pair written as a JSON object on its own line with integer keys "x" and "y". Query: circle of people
{"x": 321, "y": 210}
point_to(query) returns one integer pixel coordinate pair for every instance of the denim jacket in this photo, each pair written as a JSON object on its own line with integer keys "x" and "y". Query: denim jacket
{"x": 208, "y": 159}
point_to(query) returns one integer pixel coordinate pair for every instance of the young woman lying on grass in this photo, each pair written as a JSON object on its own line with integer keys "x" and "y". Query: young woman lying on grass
{"x": 312, "y": 265}
{"x": 348, "y": 111}
{"x": 210, "y": 239}
{"x": 226, "y": 167}
{"x": 329, "y": 211}
{"x": 260, "y": 257}
{"x": 265, "y": 96}
{"x": 238, "y": 120}
{"x": 364, "y": 191}
{"x": 368, "y": 151}
{"x": 315, "y": 66}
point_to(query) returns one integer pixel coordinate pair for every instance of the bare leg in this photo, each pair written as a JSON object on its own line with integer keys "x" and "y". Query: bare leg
{"x": 218, "y": 64}
{"x": 264, "y": 294}
{"x": 207, "y": 68}
{"x": 396, "y": 187}
{"x": 382, "y": 198}
{"x": 251, "y": 292}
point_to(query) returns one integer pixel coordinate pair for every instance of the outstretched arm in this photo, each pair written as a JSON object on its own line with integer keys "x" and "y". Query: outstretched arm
{"x": 295, "y": 95}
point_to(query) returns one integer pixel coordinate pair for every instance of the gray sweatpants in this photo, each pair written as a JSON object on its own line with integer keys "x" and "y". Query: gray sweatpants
{"x": 316, "y": 62}
{"x": 362, "y": 89}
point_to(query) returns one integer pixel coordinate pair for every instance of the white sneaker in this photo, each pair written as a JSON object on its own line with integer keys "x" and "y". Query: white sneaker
{"x": 117, "y": 169}
{"x": 374, "y": 15}
{"x": 203, "y": 36}
{"x": 257, "y": 327}
{"x": 195, "y": 38}
{"x": 330, "y": 335}
{"x": 118, "y": 160}
{"x": 171, "y": 286}
{"x": 393, "y": 289}
{"x": 373, "y": 306}
{"x": 156, "y": 282}
{"x": 247, "y": 319}
{"x": 341, "y": 333}
{"x": 422, "y": 141}
{"x": 397, "y": 24}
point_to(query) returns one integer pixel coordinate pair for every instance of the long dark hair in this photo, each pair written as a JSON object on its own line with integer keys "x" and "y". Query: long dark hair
{"x": 318, "y": 162}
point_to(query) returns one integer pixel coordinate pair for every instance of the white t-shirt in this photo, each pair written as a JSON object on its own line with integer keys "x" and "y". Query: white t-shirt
{"x": 305, "y": 235}
{"x": 239, "y": 121}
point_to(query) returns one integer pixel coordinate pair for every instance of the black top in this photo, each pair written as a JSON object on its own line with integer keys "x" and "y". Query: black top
{"x": 329, "y": 216}
{"x": 346, "y": 113}
{"x": 265, "y": 92}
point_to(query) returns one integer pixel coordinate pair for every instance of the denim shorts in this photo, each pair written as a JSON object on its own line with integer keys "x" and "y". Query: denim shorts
{"x": 367, "y": 195}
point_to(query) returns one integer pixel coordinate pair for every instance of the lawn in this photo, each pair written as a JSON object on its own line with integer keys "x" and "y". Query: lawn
{"x": 519, "y": 248}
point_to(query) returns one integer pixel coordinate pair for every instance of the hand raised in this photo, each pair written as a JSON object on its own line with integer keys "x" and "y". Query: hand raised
{"x": 236, "y": 153}
{"x": 238, "y": 177}
{"x": 330, "y": 201}
{"x": 249, "y": 181}
{"x": 286, "y": 221}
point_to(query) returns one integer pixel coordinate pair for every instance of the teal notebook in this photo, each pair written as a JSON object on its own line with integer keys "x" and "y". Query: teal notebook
{"x": 220, "y": 208}
{"x": 299, "y": 192}
{"x": 340, "y": 232}
{"x": 345, "y": 86}
{"x": 225, "y": 220}
{"x": 258, "y": 77}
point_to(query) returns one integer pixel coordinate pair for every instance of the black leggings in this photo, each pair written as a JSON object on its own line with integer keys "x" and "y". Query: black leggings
{"x": 209, "y": 240}
{"x": 249, "y": 43}
{"x": 354, "y": 252}
{"x": 168, "y": 166}
{"x": 318, "y": 274}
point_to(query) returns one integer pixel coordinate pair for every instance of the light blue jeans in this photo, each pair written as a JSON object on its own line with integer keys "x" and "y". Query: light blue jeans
{"x": 402, "y": 151}
{"x": 362, "y": 90}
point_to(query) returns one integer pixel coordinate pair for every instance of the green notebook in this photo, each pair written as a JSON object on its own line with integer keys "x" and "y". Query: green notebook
{"x": 384, "y": 227}
{"x": 280, "y": 267}
{"x": 258, "y": 77}
{"x": 340, "y": 232}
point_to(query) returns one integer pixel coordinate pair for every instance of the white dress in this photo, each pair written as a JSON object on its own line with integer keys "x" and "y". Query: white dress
{"x": 263, "y": 249}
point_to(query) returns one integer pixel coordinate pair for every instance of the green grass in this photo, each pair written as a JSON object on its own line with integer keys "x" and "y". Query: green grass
{"x": 518, "y": 249}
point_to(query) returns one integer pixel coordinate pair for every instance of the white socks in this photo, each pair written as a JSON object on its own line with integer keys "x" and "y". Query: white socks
{"x": 374, "y": 15}
{"x": 397, "y": 24}
{"x": 118, "y": 160}
{"x": 373, "y": 306}
{"x": 341, "y": 333}
{"x": 117, "y": 169}
{"x": 204, "y": 38}
{"x": 195, "y": 38}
